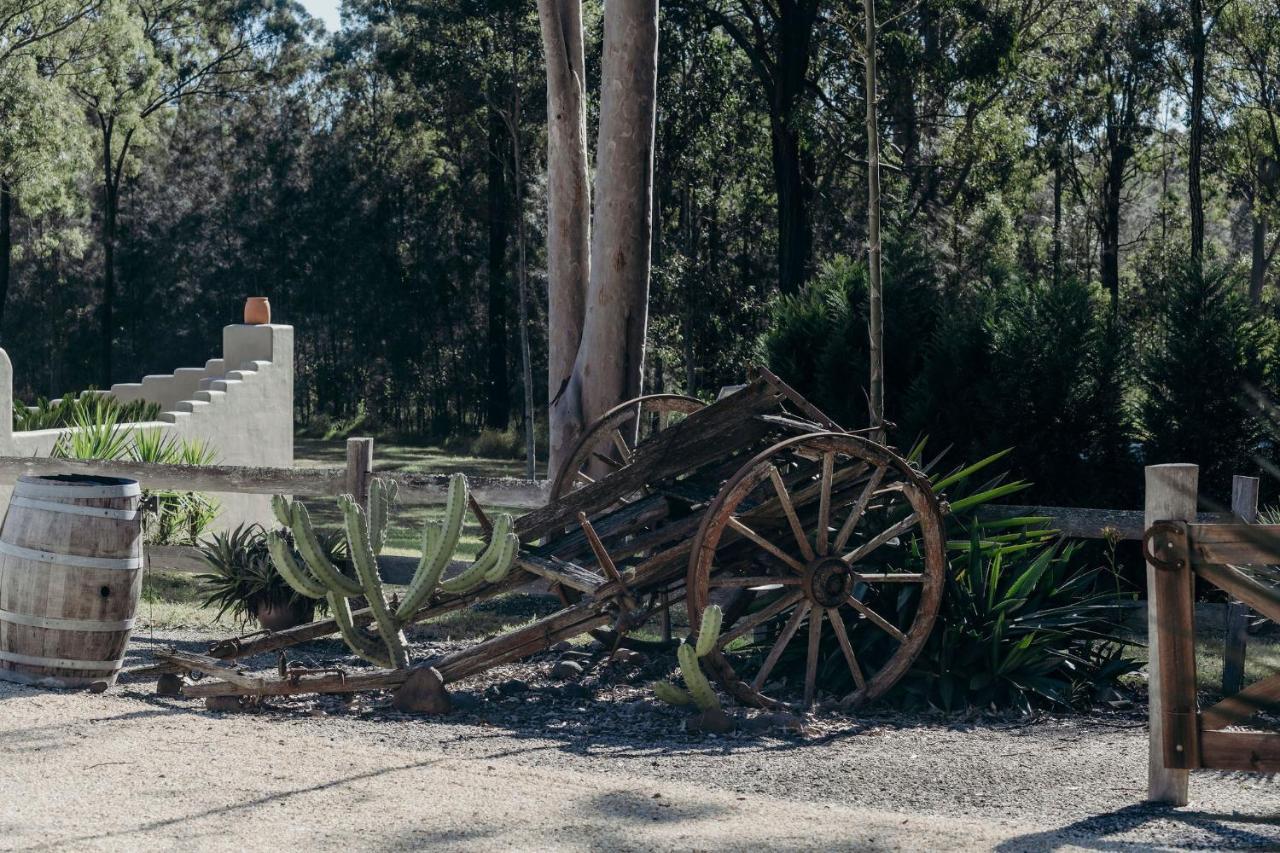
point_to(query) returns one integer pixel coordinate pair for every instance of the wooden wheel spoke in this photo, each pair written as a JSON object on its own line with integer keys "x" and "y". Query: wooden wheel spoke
{"x": 621, "y": 443}
{"x": 749, "y": 623}
{"x": 811, "y": 662}
{"x": 824, "y": 503}
{"x": 876, "y": 619}
{"x": 607, "y": 459}
{"x": 884, "y": 536}
{"x": 789, "y": 509}
{"x": 748, "y": 582}
{"x": 889, "y": 577}
{"x": 583, "y": 478}
{"x": 842, "y": 636}
{"x": 846, "y": 530}
{"x": 793, "y": 624}
{"x": 742, "y": 530}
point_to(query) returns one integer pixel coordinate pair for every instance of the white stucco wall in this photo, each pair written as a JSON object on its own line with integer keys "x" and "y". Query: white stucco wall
{"x": 241, "y": 404}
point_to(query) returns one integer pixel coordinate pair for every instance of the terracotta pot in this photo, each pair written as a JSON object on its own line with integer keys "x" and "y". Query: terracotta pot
{"x": 257, "y": 311}
{"x": 278, "y": 617}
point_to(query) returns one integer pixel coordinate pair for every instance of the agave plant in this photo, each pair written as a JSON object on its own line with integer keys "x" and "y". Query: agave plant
{"x": 243, "y": 581}
{"x": 64, "y": 411}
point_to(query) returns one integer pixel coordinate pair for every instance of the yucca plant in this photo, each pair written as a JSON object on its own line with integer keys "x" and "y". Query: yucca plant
{"x": 168, "y": 517}
{"x": 63, "y": 411}
{"x": 244, "y": 582}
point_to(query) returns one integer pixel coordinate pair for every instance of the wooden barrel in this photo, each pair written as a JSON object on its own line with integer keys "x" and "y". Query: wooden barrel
{"x": 70, "y": 578}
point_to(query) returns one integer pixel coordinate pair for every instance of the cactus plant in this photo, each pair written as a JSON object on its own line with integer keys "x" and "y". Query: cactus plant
{"x": 699, "y": 690}
{"x": 366, "y": 535}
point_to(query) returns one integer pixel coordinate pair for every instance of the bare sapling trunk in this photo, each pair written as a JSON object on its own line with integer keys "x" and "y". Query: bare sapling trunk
{"x": 876, "y": 284}
{"x": 610, "y": 361}
{"x": 568, "y": 216}
{"x": 522, "y": 271}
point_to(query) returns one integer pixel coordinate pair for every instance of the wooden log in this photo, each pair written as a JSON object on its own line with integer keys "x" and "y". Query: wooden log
{"x": 1244, "y": 505}
{"x": 192, "y": 662}
{"x": 1257, "y": 752}
{"x": 1172, "y": 595}
{"x": 1262, "y": 695}
{"x": 1170, "y": 495}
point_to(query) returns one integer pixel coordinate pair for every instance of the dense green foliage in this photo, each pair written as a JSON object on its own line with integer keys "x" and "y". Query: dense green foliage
{"x": 160, "y": 161}
{"x": 1082, "y": 398}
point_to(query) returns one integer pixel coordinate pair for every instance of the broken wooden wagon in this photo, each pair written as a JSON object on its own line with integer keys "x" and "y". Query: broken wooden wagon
{"x": 757, "y": 502}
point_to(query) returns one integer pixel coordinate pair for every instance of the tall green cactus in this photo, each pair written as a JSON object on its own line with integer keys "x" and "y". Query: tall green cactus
{"x": 366, "y": 535}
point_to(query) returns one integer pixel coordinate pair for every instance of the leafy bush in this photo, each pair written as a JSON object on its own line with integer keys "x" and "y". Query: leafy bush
{"x": 499, "y": 444}
{"x": 168, "y": 517}
{"x": 242, "y": 579}
{"x": 1021, "y": 625}
{"x": 1208, "y": 352}
{"x": 64, "y": 412}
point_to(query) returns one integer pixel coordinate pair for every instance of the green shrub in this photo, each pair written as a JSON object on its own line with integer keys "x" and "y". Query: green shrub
{"x": 498, "y": 444}
{"x": 168, "y": 517}
{"x": 1207, "y": 351}
{"x": 64, "y": 412}
{"x": 242, "y": 578}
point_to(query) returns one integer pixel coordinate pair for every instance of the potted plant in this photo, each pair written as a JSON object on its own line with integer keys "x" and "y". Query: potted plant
{"x": 243, "y": 581}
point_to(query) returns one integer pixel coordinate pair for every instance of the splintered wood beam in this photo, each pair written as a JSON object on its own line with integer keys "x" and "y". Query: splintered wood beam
{"x": 191, "y": 662}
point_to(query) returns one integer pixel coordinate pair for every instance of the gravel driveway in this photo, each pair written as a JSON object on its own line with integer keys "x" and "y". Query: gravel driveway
{"x": 125, "y": 770}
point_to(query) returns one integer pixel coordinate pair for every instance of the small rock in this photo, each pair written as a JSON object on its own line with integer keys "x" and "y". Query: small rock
{"x": 466, "y": 701}
{"x": 769, "y": 722}
{"x": 512, "y": 687}
{"x": 576, "y": 655}
{"x": 574, "y": 691}
{"x": 566, "y": 669}
{"x": 423, "y": 692}
{"x": 714, "y": 721}
{"x": 630, "y": 657}
{"x": 169, "y": 684}
{"x": 98, "y": 687}
{"x": 562, "y": 646}
{"x": 227, "y": 704}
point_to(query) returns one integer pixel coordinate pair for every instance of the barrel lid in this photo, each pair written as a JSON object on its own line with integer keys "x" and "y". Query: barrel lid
{"x": 77, "y": 486}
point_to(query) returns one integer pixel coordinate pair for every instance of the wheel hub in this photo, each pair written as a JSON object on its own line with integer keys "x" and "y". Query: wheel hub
{"x": 828, "y": 581}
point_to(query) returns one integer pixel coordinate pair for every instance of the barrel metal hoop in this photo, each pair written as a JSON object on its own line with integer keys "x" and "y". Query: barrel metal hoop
{"x": 76, "y": 509}
{"x": 122, "y": 563}
{"x": 37, "y": 489}
{"x": 62, "y": 663}
{"x": 63, "y": 624}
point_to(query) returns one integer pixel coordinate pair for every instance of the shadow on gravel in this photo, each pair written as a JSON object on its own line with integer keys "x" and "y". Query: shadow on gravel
{"x": 1092, "y": 833}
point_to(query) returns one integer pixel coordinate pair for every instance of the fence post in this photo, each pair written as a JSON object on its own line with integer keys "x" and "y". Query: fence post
{"x": 360, "y": 469}
{"x": 1244, "y": 505}
{"x": 1170, "y": 496}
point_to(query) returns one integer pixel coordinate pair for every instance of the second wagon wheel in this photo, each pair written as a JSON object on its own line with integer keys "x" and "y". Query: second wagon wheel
{"x": 829, "y": 530}
{"x": 608, "y": 444}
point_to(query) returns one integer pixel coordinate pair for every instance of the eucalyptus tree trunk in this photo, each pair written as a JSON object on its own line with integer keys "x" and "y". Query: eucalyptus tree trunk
{"x": 610, "y": 362}
{"x": 568, "y": 216}
{"x": 1198, "y": 43}
{"x": 598, "y": 312}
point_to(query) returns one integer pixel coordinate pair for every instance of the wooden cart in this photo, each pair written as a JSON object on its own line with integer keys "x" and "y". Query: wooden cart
{"x": 757, "y": 502}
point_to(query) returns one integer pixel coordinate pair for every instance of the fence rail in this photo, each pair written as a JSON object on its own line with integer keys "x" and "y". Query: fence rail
{"x": 420, "y": 489}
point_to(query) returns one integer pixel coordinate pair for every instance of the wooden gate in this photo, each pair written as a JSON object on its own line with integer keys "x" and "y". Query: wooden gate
{"x": 1186, "y": 736}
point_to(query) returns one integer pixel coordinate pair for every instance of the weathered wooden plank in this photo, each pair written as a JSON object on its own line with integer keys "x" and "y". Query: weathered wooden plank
{"x": 190, "y": 661}
{"x": 1171, "y": 594}
{"x": 1171, "y": 492}
{"x": 1235, "y": 544}
{"x": 1263, "y": 599}
{"x": 1260, "y": 696}
{"x": 1258, "y": 752}
{"x": 308, "y": 482}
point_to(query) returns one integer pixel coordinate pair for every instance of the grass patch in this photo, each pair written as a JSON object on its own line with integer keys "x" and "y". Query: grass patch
{"x": 1261, "y": 659}
{"x": 173, "y": 600}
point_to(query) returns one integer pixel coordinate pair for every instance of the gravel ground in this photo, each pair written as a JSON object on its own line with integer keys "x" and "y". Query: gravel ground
{"x": 594, "y": 763}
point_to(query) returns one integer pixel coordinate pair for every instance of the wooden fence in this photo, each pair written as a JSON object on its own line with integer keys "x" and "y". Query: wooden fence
{"x": 1177, "y": 548}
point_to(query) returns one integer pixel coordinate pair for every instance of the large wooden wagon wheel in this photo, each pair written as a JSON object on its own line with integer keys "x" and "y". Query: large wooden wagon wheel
{"x": 609, "y": 444}
{"x": 831, "y": 530}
